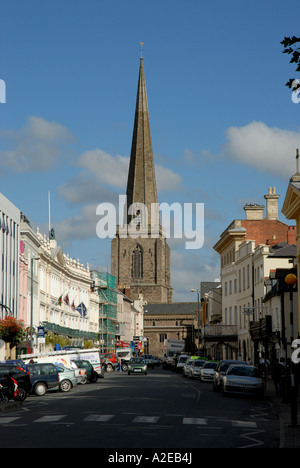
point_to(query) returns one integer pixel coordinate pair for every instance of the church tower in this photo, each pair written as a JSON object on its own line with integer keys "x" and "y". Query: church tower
{"x": 140, "y": 255}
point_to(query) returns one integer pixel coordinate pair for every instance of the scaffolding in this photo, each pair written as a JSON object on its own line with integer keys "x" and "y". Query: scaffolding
{"x": 105, "y": 284}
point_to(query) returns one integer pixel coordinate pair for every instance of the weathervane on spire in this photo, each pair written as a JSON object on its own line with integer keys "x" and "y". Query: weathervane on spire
{"x": 142, "y": 45}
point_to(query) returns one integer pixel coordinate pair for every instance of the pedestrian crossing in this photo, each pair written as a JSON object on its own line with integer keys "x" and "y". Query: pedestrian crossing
{"x": 126, "y": 419}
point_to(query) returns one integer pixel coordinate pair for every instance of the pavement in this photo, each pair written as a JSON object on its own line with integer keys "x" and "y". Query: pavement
{"x": 289, "y": 417}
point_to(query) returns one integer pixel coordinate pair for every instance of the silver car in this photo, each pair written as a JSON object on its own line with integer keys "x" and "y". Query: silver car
{"x": 243, "y": 379}
{"x": 67, "y": 378}
{"x": 207, "y": 371}
{"x": 195, "y": 368}
{"x": 186, "y": 367}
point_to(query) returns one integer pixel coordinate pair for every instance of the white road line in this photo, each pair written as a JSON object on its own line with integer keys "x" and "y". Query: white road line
{"x": 50, "y": 418}
{"x": 244, "y": 424}
{"x": 146, "y": 419}
{"x": 7, "y": 420}
{"x": 99, "y": 417}
{"x": 198, "y": 421}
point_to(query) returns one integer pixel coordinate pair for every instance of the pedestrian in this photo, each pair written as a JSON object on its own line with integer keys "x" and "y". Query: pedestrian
{"x": 277, "y": 372}
{"x": 120, "y": 363}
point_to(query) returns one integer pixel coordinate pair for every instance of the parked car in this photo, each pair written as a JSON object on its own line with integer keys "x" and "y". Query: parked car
{"x": 43, "y": 376}
{"x": 67, "y": 378}
{"x": 92, "y": 375}
{"x": 186, "y": 367}
{"x": 181, "y": 361}
{"x": 243, "y": 379}
{"x": 80, "y": 372}
{"x": 156, "y": 361}
{"x": 110, "y": 361}
{"x": 195, "y": 368}
{"x": 15, "y": 362}
{"x": 208, "y": 370}
{"x": 220, "y": 372}
{"x": 20, "y": 375}
{"x": 148, "y": 358}
{"x": 137, "y": 366}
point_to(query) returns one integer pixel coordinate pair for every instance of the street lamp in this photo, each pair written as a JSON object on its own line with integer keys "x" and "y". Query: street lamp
{"x": 198, "y": 300}
{"x": 31, "y": 304}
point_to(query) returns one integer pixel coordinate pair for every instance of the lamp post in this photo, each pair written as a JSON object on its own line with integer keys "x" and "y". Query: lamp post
{"x": 31, "y": 304}
{"x": 198, "y": 301}
{"x": 290, "y": 281}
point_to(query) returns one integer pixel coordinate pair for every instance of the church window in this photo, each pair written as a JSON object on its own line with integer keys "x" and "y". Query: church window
{"x": 137, "y": 262}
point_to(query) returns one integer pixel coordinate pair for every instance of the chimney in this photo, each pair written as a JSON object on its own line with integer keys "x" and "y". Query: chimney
{"x": 254, "y": 212}
{"x": 291, "y": 235}
{"x": 272, "y": 204}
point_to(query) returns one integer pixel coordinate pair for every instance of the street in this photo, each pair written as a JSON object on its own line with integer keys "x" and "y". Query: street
{"x": 158, "y": 410}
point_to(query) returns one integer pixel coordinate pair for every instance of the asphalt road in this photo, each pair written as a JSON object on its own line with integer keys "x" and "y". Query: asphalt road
{"x": 161, "y": 410}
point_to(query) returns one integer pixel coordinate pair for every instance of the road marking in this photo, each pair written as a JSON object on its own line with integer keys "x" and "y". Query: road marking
{"x": 99, "y": 417}
{"x": 51, "y": 418}
{"x": 7, "y": 420}
{"x": 199, "y": 421}
{"x": 146, "y": 419}
{"x": 244, "y": 424}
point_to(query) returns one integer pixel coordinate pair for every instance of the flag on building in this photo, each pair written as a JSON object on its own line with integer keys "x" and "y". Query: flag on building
{"x": 73, "y": 306}
{"x": 66, "y": 299}
{"x": 60, "y": 300}
{"x": 82, "y": 309}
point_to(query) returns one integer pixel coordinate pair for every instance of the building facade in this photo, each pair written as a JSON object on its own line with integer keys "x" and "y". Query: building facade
{"x": 10, "y": 257}
{"x": 249, "y": 250}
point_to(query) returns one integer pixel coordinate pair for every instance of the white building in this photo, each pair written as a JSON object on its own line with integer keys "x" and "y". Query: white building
{"x": 68, "y": 307}
{"x": 9, "y": 257}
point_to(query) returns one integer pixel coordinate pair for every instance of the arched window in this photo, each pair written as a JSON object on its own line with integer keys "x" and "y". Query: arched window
{"x": 137, "y": 262}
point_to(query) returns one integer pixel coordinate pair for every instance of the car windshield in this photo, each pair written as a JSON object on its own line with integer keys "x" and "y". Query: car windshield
{"x": 243, "y": 371}
{"x": 183, "y": 359}
{"x": 136, "y": 361}
{"x": 210, "y": 365}
{"x": 199, "y": 363}
{"x": 226, "y": 365}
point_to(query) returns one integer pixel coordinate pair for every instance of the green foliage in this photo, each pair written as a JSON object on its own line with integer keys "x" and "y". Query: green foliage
{"x": 291, "y": 46}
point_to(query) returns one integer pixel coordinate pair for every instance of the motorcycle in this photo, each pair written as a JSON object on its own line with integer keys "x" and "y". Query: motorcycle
{"x": 10, "y": 392}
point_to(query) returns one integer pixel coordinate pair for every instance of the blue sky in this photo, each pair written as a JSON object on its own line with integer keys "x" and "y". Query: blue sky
{"x": 223, "y": 125}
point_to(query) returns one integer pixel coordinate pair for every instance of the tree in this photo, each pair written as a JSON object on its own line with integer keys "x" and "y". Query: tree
{"x": 12, "y": 330}
{"x": 291, "y": 46}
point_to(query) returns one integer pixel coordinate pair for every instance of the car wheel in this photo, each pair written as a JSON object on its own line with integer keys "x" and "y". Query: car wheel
{"x": 124, "y": 367}
{"x": 84, "y": 381}
{"x": 145, "y": 373}
{"x": 65, "y": 386}
{"x": 94, "y": 378}
{"x": 128, "y": 373}
{"x": 40, "y": 389}
{"x": 109, "y": 368}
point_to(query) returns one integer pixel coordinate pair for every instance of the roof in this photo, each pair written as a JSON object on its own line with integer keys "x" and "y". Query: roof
{"x": 175, "y": 308}
{"x": 283, "y": 250}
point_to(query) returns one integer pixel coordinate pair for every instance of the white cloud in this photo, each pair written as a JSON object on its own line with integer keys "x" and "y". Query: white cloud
{"x": 35, "y": 147}
{"x": 265, "y": 148}
{"x": 101, "y": 171}
{"x": 111, "y": 170}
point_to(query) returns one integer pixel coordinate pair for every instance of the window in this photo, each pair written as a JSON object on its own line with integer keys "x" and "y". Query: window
{"x": 137, "y": 262}
{"x": 162, "y": 337}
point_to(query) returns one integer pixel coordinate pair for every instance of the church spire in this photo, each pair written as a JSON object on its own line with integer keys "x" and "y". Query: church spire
{"x": 141, "y": 184}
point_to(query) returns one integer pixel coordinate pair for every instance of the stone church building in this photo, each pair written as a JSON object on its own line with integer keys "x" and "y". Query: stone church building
{"x": 140, "y": 255}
